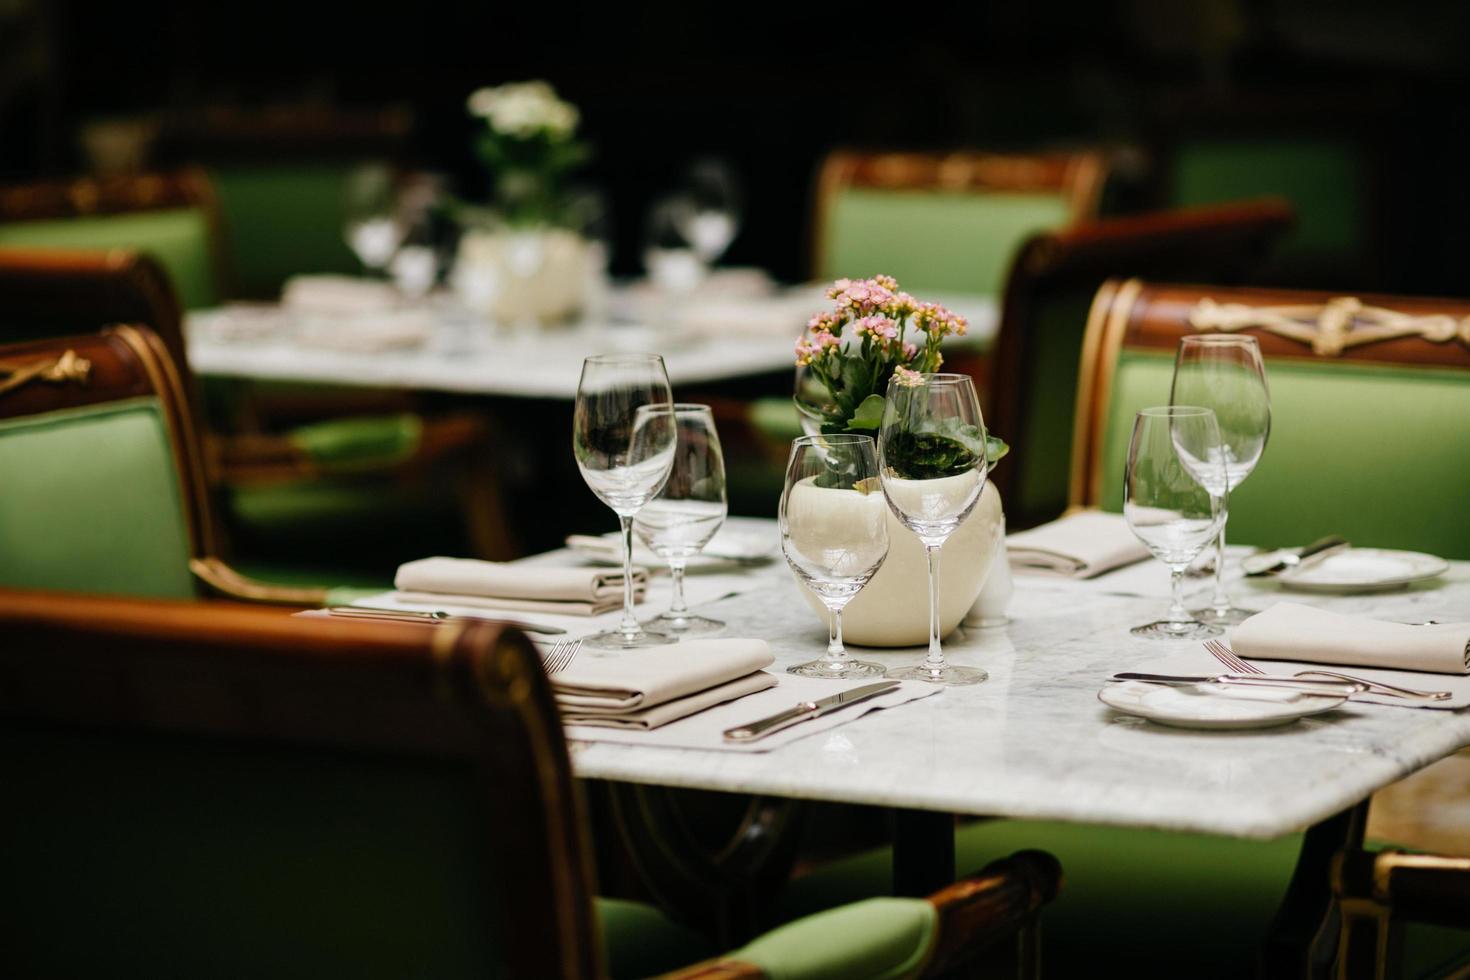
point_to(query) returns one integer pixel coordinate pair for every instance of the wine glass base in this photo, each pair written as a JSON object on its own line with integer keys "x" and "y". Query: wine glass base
{"x": 618, "y": 640}
{"x": 949, "y": 675}
{"x": 1165, "y": 630}
{"x": 1229, "y": 616}
{"x": 683, "y": 625}
{"x": 841, "y": 670}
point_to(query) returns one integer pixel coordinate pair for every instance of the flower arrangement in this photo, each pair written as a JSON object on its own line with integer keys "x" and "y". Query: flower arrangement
{"x": 529, "y": 144}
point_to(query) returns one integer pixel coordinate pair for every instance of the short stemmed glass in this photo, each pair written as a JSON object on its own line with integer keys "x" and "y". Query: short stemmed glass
{"x": 1169, "y": 500}
{"x": 687, "y": 512}
{"x": 1225, "y": 373}
{"x": 623, "y": 438}
{"x": 931, "y": 453}
{"x": 834, "y": 533}
{"x": 373, "y": 227}
{"x": 709, "y": 209}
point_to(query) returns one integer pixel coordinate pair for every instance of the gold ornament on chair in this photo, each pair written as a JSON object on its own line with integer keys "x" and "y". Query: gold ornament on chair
{"x": 1332, "y": 327}
{"x": 67, "y": 367}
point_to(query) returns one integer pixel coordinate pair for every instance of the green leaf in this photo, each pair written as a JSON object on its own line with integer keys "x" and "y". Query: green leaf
{"x": 869, "y": 414}
{"x": 995, "y": 448}
{"x": 857, "y": 379}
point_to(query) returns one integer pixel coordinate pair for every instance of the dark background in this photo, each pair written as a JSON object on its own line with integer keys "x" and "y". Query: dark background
{"x": 773, "y": 86}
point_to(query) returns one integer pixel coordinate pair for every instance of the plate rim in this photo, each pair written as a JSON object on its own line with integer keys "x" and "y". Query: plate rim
{"x": 1185, "y": 721}
{"x": 1440, "y": 566}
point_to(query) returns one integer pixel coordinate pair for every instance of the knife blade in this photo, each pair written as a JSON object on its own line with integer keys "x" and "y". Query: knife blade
{"x": 1282, "y": 559}
{"x": 805, "y": 710}
{"x": 433, "y": 618}
{"x": 1310, "y": 685}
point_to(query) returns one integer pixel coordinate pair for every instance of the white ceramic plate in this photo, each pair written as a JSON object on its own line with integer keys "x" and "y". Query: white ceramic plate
{"x": 1364, "y": 570}
{"x": 1206, "y": 707}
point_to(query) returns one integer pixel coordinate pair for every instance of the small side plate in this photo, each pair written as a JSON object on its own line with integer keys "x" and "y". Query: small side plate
{"x": 1200, "y": 707}
{"x": 1364, "y": 570}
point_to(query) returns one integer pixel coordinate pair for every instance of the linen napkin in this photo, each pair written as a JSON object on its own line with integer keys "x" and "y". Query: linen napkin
{"x": 337, "y": 295}
{"x": 1290, "y": 631}
{"x": 1080, "y": 545}
{"x": 495, "y": 585}
{"x": 652, "y": 687}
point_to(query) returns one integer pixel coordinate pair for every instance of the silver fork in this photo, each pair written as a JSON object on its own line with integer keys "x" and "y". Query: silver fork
{"x": 560, "y": 656}
{"x": 1235, "y": 665}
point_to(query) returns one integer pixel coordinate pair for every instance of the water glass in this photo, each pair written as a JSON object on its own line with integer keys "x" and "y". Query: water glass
{"x": 679, "y": 522}
{"x": 1224, "y": 373}
{"x": 933, "y": 464}
{"x": 1170, "y": 500}
{"x": 623, "y": 439}
{"x": 834, "y": 534}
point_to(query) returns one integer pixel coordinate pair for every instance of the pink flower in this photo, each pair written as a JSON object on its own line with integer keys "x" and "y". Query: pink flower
{"x": 937, "y": 321}
{"x": 904, "y": 376}
{"x": 877, "y": 325}
{"x": 909, "y": 350}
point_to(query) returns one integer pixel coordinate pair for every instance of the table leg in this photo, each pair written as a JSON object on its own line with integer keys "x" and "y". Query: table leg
{"x": 1302, "y": 938}
{"x": 923, "y": 852}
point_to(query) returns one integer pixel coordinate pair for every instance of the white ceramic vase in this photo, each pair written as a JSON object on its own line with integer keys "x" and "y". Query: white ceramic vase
{"x": 554, "y": 289}
{"x": 893, "y": 609}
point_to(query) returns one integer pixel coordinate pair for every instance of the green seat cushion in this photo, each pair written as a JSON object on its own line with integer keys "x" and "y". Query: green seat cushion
{"x": 178, "y": 238}
{"x": 874, "y": 939}
{"x": 934, "y": 240}
{"x": 90, "y": 502}
{"x": 1322, "y": 178}
{"x": 360, "y": 442}
{"x": 1377, "y": 453}
{"x": 640, "y": 941}
{"x": 283, "y": 220}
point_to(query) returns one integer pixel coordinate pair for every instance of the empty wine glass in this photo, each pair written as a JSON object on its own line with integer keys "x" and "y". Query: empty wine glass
{"x": 1225, "y": 373}
{"x": 834, "y": 534}
{"x": 709, "y": 209}
{"x": 1175, "y": 465}
{"x": 372, "y": 223}
{"x": 931, "y": 452}
{"x": 679, "y": 522}
{"x": 623, "y": 439}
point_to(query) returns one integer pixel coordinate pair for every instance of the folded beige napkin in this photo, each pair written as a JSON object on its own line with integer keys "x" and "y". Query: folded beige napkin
{"x": 524, "y": 588}
{"x": 681, "y": 678}
{"x": 337, "y": 295}
{"x": 365, "y": 333}
{"x": 1290, "y": 631}
{"x": 1080, "y": 545}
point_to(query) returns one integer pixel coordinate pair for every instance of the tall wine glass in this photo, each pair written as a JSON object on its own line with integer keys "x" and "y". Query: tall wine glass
{"x": 372, "y": 225}
{"x": 709, "y": 212}
{"x": 1175, "y": 466}
{"x": 834, "y": 534}
{"x": 687, "y": 512}
{"x": 1225, "y": 373}
{"x": 623, "y": 438}
{"x": 931, "y": 453}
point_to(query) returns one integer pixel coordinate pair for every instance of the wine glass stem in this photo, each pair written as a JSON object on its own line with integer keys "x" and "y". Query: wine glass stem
{"x": 935, "y": 660}
{"x": 629, "y": 625}
{"x": 677, "y": 608}
{"x": 1221, "y": 600}
{"x": 1178, "y": 615}
{"x": 836, "y": 654}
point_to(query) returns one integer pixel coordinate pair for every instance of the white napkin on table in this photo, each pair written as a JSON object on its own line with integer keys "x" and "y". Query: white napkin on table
{"x": 651, "y": 687}
{"x": 525, "y": 588}
{"x": 1291, "y": 631}
{"x": 337, "y": 295}
{"x": 1080, "y": 545}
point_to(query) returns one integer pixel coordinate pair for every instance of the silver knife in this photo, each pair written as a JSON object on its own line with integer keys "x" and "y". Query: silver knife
{"x": 1306, "y": 684}
{"x": 1282, "y": 559}
{"x": 434, "y": 617}
{"x": 806, "y": 710}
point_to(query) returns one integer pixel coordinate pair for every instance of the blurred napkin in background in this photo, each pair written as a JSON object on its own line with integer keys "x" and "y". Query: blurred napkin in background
{"x": 338, "y": 295}
{"x": 1290, "y": 631}
{"x": 470, "y": 582}
{"x": 1080, "y": 545}
{"x": 644, "y": 689}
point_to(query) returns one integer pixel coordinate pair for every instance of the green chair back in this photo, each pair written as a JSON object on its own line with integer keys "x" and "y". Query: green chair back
{"x": 1361, "y": 445}
{"x": 265, "y": 798}
{"x": 99, "y": 494}
{"x": 179, "y": 238}
{"x": 944, "y": 222}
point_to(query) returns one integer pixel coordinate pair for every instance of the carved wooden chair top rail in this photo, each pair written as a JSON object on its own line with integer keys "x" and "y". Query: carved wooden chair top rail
{"x": 46, "y": 200}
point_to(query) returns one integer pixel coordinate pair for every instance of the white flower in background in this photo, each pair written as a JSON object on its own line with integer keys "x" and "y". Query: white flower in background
{"x": 523, "y": 109}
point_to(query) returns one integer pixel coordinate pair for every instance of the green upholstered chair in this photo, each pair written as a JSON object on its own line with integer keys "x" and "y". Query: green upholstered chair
{"x": 170, "y": 216}
{"x": 1049, "y": 290}
{"x": 217, "y": 790}
{"x": 104, "y": 481}
{"x": 1370, "y": 399}
{"x": 944, "y": 222}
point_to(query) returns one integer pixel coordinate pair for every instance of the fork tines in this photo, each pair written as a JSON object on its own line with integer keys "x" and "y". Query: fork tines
{"x": 560, "y": 656}
{"x": 1227, "y": 657}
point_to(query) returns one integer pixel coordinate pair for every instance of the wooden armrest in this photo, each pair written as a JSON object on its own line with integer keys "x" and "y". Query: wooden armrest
{"x": 223, "y": 579}
{"x": 1427, "y": 888}
{"x": 984, "y": 909}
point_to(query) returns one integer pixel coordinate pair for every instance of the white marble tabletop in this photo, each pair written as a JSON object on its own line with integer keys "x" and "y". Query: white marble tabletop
{"x": 467, "y": 355}
{"x": 1034, "y": 741}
